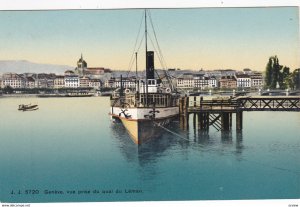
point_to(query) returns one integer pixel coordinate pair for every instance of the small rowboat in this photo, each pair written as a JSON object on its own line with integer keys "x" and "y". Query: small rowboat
{"x": 28, "y": 107}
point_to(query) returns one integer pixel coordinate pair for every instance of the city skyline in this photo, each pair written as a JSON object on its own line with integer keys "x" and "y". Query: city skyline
{"x": 208, "y": 38}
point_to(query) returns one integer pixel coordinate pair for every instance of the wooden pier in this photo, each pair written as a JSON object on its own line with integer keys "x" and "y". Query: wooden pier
{"x": 218, "y": 111}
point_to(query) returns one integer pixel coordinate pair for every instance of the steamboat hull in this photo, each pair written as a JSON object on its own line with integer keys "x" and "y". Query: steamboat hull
{"x": 144, "y": 129}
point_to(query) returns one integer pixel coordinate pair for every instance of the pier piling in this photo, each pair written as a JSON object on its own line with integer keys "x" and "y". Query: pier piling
{"x": 239, "y": 120}
{"x": 217, "y": 112}
{"x": 183, "y": 112}
{"x": 225, "y": 121}
{"x": 203, "y": 121}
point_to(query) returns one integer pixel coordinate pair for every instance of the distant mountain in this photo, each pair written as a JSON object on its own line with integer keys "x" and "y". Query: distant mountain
{"x": 24, "y": 66}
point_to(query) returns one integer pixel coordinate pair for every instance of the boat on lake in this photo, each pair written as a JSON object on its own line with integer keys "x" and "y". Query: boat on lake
{"x": 28, "y": 107}
{"x": 145, "y": 110}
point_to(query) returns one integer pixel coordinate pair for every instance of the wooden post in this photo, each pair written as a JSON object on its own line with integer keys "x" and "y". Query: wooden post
{"x": 180, "y": 106}
{"x": 225, "y": 121}
{"x": 186, "y": 104}
{"x": 185, "y": 113}
{"x": 239, "y": 120}
{"x": 194, "y": 125}
{"x": 203, "y": 121}
{"x": 230, "y": 120}
{"x": 200, "y": 104}
{"x": 207, "y": 121}
{"x": 194, "y": 120}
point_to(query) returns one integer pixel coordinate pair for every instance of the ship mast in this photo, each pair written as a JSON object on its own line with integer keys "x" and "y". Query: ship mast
{"x": 146, "y": 34}
{"x": 136, "y": 76}
{"x": 146, "y": 57}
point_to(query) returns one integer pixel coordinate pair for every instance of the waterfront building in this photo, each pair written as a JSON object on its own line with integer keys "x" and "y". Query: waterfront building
{"x": 59, "y": 81}
{"x": 95, "y": 83}
{"x": 116, "y": 83}
{"x": 257, "y": 80}
{"x": 44, "y": 80}
{"x": 13, "y": 80}
{"x": 186, "y": 81}
{"x": 109, "y": 83}
{"x": 72, "y": 81}
{"x": 84, "y": 82}
{"x": 30, "y": 82}
{"x": 212, "y": 82}
{"x": 227, "y": 82}
{"x": 201, "y": 82}
{"x": 50, "y": 80}
{"x": 243, "y": 81}
{"x": 41, "y": 81}
{"x": 127, "y": 83}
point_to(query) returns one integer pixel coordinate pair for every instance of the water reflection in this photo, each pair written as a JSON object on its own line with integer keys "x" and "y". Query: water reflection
{"x": 181, "y": 140}
{"x": 145, "y": 156}
{"x": 226, "y": 137}
{"x": 145, "y": 153}
{"x": 128, "y": 149}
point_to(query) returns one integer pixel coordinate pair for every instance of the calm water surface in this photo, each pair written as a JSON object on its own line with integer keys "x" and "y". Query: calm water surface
{"x": 71, "y": 145}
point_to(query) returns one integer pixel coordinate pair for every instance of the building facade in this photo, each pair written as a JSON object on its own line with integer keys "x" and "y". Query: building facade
{"x": 185, "y": 83}
{"x": 243, "y": 81}
{"x": 84, "y": 82}
{"x": 201, "y": 82}
{"x": 72, "y": 81}
{"x": 59, "y": 81}
{"x": 95, "y": 83}
{"x": 227, "y": 82}
{"x": 257, "y": 80}
{"x": 13, "y": 80}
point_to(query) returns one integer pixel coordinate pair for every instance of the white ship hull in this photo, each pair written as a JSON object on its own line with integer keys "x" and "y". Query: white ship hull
{"x": 141, "y": 124}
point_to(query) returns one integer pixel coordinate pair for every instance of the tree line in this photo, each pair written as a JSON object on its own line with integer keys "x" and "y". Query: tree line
{"x": 279, "y": 77}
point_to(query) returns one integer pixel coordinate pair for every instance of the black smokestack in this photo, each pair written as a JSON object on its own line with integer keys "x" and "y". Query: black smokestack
{"x": 150, "y": 65}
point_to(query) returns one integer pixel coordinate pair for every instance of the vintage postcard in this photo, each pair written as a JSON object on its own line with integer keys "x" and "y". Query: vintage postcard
{"x": 150, "y": 104}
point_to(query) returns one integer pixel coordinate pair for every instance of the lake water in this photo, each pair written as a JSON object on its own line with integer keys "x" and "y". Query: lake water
{"x": 70, "y": 150}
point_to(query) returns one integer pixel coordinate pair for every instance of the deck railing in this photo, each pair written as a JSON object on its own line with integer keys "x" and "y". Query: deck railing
{"x": 145, "y": 100}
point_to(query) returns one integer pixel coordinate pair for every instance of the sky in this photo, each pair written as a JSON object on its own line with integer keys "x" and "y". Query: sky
{"x": 207, "y": 38}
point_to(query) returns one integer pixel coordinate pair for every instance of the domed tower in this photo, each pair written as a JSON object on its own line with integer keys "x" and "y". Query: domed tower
{"x": 81, "y": 66}
{"x": 81, "y": 63}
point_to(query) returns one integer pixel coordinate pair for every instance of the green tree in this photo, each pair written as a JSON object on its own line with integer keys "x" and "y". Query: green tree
{"x": 268, "y": 75}
{"x": 277, "y": 74}
{"x": 295, "y": 76}
{"x": 285, "y": 78}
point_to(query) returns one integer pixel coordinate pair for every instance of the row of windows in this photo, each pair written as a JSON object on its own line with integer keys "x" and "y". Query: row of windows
{"x": 71, "y": 80}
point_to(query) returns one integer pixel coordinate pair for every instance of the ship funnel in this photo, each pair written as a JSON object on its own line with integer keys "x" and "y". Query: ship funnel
{"x": 150, "y": 65}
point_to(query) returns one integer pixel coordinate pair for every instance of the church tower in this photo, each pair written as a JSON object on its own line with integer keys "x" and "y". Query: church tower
{"x": 81, "y": 66}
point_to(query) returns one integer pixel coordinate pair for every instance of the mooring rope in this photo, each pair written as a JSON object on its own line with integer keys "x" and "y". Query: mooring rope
{"x": 174, "y": 133}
